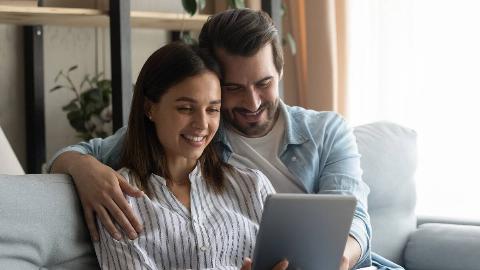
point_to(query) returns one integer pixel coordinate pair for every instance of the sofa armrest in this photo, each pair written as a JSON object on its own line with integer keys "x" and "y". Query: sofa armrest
{"x": 447, "y": 220}
{"x": 436, "y": 246}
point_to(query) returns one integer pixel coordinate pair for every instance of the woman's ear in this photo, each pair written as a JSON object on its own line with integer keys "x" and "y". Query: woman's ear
{"x": 147, "y": 108}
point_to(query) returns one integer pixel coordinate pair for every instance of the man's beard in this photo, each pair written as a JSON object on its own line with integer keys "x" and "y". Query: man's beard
{"x": 254, "y": 129}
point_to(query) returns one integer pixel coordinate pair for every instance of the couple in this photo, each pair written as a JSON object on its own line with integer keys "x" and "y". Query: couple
{"x": 192, "y": 201}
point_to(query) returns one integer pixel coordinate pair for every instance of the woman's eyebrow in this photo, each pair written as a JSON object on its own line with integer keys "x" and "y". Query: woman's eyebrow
{"x": 187, "y": 99}
{"x": 191, "y": 100}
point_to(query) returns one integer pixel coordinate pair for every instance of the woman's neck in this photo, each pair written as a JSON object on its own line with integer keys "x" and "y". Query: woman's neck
{"x": 179, "y": 170}
{"x": 179, "y": 182}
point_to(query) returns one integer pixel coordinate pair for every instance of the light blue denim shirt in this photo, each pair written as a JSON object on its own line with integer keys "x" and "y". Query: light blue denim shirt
{"x": 318, "y": 148}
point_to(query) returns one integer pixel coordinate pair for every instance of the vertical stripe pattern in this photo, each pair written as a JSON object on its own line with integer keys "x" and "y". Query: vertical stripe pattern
{"x": 218, "y": 231}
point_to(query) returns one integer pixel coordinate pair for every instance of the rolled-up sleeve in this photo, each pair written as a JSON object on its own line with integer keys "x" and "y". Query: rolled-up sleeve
{"x": 106, "y": 150}
{"x": 342, "y": 174}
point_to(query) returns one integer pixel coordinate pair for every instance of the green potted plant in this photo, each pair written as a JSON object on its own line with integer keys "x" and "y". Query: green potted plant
{"x": 90, "y": 111}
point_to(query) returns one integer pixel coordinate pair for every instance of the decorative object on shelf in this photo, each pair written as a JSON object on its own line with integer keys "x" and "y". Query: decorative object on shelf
{"x": 90, "y": 111}
{"x": 193, "y": 6}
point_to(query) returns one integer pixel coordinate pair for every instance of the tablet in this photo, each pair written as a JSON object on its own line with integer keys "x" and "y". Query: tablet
{"x": 309, "y": 230}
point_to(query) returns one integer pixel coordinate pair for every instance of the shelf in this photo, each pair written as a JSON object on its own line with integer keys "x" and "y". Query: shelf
{"x": 25, "y": 15}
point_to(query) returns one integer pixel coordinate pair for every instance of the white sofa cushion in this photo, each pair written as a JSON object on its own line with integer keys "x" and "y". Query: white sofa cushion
{"x": 389, "y": 156}
{"x": 41, "y": 224}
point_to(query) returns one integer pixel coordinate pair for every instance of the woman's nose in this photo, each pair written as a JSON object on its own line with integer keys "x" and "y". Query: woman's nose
{"x": 200, "y": 120}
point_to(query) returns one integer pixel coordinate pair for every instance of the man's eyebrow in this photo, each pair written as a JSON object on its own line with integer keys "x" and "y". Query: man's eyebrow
{"x": 264, "y": 79}
{"x": 191, "y": 100}
{"x": 226, "y": 83}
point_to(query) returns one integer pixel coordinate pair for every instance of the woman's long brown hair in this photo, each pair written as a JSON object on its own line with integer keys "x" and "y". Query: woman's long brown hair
{"x": 142, "y": 152}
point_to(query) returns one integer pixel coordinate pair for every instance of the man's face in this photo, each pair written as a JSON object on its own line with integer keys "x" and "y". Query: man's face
{"x": 250, "y": 91}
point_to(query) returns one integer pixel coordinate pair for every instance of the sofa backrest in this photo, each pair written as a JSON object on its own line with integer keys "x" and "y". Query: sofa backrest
{"x": 41, "y": 224}
{"x": 389, "y": 158}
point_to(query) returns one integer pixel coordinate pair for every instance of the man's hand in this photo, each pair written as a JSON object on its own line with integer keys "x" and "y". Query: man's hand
{"x": 344, "y": 263}
{"x": 100, "y": 190}
{"x": 247, "y": 265}
{"x": 351, "y": 254}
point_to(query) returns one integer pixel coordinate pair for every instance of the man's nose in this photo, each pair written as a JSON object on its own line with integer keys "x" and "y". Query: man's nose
{"x": 252, "y": 99}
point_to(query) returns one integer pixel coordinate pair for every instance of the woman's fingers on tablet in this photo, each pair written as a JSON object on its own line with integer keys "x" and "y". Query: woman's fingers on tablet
{"x": 247, "y": 264}
{"x": 282, "y": 265}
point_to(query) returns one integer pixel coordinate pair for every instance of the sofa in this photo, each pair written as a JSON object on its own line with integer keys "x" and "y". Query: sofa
{"x": 42, "y": 227}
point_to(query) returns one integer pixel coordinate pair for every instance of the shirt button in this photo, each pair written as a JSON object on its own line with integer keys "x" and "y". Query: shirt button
{"x": 203, "y": 248}
{"x": 294, "y": 158}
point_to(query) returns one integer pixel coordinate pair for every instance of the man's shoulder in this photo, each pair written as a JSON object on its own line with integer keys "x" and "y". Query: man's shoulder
{"x": 313, "y": 119}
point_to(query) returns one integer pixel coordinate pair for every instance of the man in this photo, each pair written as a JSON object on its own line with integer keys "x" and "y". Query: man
{"x": 299, "y": 150}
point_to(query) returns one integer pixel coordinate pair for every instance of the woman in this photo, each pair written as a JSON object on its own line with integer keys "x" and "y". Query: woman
{"x": 198, "y": 212}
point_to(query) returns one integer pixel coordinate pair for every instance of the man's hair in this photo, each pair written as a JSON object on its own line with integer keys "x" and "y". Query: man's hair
{"x": 242, "y": 32}
{"x": 142, "y": 152}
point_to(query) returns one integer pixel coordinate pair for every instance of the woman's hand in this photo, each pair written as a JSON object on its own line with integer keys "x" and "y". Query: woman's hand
{"x": 100, "y": 189}
{"x": 282, "y": 265}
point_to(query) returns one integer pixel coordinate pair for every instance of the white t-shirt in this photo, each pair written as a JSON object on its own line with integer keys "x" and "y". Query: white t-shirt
{"x": 262, "y": 154}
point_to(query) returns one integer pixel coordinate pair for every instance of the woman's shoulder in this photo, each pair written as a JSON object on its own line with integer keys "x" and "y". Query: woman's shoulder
{"x": 129, "y": 176}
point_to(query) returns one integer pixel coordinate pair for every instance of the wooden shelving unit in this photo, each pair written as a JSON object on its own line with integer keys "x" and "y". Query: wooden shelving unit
{"x": 22, "y": 15}
{"x": 120, "y": 19}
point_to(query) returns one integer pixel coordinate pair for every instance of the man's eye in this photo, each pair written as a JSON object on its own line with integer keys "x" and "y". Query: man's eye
{"x": 213, "y": 110}
{"x": 264, "y": 84}
{"x": 185, "y": 109}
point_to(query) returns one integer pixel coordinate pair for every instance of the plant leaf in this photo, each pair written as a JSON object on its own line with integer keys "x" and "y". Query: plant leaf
{"x": 237, "y": 3}
{"x": 292, "y": 44}
{"x": 85, "y": 79}
{"x": 72, "y": 106}
{"x": 96, "y": 77}
{"x": 202, "y": 4}
{"x": 283, "y": 9}
{"x": 76, "y": 121}
{"x": 58, "y": 75}
{"x": 190, "y": 6}
{"x": 72, "y": 68}
{"x": 105, "y": 85}
{"x": 56, "y": 87}
{"x": 187, "y": 38}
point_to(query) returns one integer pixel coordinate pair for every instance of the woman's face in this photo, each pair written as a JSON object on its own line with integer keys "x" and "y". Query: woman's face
{"x": 187, "y": 116}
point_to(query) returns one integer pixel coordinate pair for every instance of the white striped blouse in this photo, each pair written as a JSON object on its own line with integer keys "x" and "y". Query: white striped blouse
{"x": 218, "y": 232}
